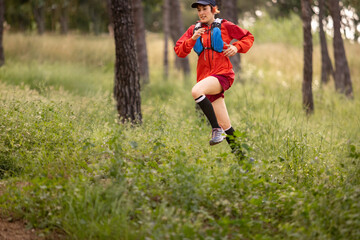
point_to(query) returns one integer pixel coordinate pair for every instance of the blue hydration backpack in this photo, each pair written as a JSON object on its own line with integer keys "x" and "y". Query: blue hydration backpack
{"x": 217, "y": 44}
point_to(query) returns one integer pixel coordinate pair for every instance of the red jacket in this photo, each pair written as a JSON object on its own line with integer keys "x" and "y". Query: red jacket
{"x": 211, "y": 62}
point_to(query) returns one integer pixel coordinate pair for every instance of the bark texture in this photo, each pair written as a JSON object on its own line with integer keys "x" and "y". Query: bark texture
{"x": 176, "y": 30}
{"x": 140, "y": 37}
{"x": 2, "y": 13}
{"x": 326, "y": 65}
{"x": 342, "y": 73}
{"x": 308, "y": 102}
{"x": 127, "y": 85}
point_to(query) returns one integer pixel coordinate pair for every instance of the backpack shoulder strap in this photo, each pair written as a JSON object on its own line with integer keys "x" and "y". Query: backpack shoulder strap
{"x": 198, "y": 48}
{"x": 217, "y": 23}
{"x": 197, "y": 26}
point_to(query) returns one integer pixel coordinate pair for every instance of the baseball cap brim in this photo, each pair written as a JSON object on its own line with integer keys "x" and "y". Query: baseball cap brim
{"x": 194, "y": 5}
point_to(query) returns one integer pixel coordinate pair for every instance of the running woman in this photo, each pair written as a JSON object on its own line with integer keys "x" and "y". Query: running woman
{"x": 210, "y": 38}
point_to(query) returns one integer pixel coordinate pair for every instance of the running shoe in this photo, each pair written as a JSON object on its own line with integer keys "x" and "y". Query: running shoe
{"x": 217, "y": 136}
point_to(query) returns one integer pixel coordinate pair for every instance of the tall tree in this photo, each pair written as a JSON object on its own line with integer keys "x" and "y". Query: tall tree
{"x": 64, "y": 8}
{"x": 228, "y": 10}
{"x": 326, "y": 65}
{"x": 140, "y": 39}
{"x": 342, "y": 73}
{"x": 38, "y": 8}
{"x": 19, "y": 15}
{"x": 308, "y": 102}
{"x": 166, "y": 23}
{"x": 95, "y": 16}
{"x": 111, "y": 22}
{"x": 127, "y": 76}
{"x": 176, "y": 30}
{"x": 53, "y": 15}
{"x": 2, "y": 13}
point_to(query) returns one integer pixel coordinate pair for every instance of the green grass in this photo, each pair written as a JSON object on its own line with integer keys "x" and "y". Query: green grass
{"x": 67, "y": 165}
{"x": 283, "y": 30}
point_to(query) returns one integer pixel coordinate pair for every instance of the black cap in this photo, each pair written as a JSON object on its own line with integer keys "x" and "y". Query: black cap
{"x": 204, "y": 2}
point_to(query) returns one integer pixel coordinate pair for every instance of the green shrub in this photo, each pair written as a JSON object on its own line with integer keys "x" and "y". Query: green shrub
{"x": 68, "y": 165}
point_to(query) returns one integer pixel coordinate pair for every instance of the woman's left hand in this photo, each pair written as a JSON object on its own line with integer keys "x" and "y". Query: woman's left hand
{"x": 230, "y": 51}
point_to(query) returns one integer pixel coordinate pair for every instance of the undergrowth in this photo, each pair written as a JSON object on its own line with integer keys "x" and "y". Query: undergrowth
{"x": 68, "y": 165}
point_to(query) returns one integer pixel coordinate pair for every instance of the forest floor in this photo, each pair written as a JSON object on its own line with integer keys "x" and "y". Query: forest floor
{"x": 16, "y": 231}
{"x": 68, "y": 166}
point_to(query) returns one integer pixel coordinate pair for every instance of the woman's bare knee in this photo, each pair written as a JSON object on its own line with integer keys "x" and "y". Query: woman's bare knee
{"x": 196, "y": 92}
{"x": 207, "y": 86}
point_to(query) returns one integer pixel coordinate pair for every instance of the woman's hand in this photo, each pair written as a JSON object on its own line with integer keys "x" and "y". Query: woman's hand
{"x": 198, "y": 33}
{"x": 230, "y": 51}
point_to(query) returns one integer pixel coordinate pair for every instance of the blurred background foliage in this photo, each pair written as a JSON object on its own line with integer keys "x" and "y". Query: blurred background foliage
{"x": 91, "y": 16}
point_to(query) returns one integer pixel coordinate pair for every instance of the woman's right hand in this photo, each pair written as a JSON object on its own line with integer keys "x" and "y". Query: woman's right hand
{"x": 198, "y": 33}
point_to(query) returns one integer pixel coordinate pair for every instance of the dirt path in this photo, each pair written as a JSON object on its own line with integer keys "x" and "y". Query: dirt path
{"x": 16, "y": 231}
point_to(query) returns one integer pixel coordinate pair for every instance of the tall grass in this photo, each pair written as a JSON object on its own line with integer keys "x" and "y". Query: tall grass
{"x": 282, "y": 30}
{"x": 68, "y": 165}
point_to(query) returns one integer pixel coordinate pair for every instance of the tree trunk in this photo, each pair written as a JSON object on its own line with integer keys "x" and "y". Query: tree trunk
{"x": 140, "y": 39}
{"x": 228, "y": 9}
{"x": 111, "y": 22}
{"x": 95, "y": 20}
{"x": 342, "y": 73}
{"x": 326, "y": 66}
{"x": 64, "y": 18}
{"x": 2, "y": 14}
{"x": 39, "y": 15}
{"x": 176, "y": 30}
{"x": 53, "y": 17}
{"x": 127, "y": 84}
{"x": 166, "y": 23}
{"x": 308, "y": 102}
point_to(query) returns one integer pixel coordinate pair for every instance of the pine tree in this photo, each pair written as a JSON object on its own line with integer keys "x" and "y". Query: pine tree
{"x": 308, "y": 102}
{"x": 342, "y": 73}
{"x": 127, "y": 85}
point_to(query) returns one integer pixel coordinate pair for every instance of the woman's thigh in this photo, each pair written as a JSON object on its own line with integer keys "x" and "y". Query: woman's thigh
{"x": 208, "y": 86}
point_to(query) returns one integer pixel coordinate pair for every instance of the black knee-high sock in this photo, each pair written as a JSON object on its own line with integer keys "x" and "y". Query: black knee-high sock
{"x": 235, "y": 147}
{"x": 230, "y": 138}
{"x": 206, "y": 106}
